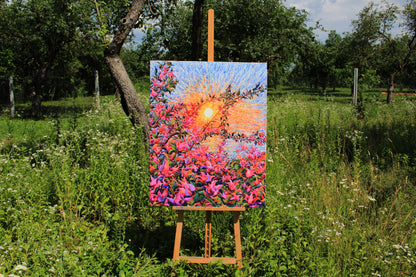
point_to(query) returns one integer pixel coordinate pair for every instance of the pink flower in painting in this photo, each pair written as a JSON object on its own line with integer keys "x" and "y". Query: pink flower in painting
{"x": 249, "y": 173}
{"x": 232, "y": 185}
{"x": 187, "y": 188}
{"x": 183, "y": 146}
{"x": 212, "y": 189}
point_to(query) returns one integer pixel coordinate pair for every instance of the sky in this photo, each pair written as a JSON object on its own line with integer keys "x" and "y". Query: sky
{"x": 334, "y": 14}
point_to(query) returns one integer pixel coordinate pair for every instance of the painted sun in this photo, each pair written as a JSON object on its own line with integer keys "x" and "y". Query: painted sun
{"x": 208, "y": 112}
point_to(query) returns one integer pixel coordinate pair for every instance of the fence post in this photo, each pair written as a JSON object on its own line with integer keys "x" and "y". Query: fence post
{"x": 355, "y": 91}
{"x": 97, "y": 90}
{"x": 12, "y": 102}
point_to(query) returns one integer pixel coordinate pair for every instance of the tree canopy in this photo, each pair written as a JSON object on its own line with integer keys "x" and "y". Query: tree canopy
{"x": 53, "y": 47}
{"x": 246, "y": 30}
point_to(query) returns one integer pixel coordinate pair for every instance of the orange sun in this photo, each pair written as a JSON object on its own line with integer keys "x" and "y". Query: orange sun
{"x": 208, "y": 113}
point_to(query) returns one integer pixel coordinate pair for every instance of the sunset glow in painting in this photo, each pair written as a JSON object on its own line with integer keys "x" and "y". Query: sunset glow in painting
{"x": 208, "y": 134}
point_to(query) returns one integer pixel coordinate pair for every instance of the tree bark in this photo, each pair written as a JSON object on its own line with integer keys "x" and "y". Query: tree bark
{"x": 130, "y": 101}
{"x": 197, "y": 21}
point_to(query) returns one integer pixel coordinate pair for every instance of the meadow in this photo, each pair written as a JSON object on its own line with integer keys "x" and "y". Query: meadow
{"x": 341, "y": 195}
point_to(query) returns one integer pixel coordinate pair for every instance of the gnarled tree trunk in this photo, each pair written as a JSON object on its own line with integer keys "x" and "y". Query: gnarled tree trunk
{"x": 130, "y": 101}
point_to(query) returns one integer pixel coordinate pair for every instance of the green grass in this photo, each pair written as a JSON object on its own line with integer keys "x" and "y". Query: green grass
{"x": 341, "y": 194}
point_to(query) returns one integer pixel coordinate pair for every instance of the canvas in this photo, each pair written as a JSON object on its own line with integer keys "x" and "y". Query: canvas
{"x": 208, "y": 134}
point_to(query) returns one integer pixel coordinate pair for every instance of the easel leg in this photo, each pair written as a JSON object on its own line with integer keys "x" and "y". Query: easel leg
{"x": 178, "y": 236}
{"x": 237, "y": 236}
{"x": 208, "y": 230}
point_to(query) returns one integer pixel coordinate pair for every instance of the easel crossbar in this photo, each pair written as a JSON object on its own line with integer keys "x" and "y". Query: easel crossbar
{"x": 202, "y": 260}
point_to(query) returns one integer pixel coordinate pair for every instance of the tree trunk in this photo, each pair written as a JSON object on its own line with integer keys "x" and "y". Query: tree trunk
{"x": 197, "y": 21}
{"x": 130, "y": 101}
{"x": 37, "y": 91}
{"x": 41, "y": 77}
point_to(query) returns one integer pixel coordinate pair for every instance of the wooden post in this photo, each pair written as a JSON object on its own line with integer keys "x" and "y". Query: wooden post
{"x": 12, "y": 103}
{"x": 208, "y": 232}
{"x": 355, "y": 91}
{"x": 210, "y": 35}
{"x": 97, "y": 90}
{"x": 178, "y": 236}
{"x": 237, "y": 236}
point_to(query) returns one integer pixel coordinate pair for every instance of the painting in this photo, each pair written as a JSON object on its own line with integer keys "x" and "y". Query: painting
{"x": 208, "y": 134}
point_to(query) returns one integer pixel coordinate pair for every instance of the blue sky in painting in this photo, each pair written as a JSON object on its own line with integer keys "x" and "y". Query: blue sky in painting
{"x": 245, "y": 75}
{"x": 242, "y": 76}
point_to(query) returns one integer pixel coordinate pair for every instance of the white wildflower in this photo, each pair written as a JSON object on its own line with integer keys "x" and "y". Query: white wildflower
{"x": 20, "y": 267}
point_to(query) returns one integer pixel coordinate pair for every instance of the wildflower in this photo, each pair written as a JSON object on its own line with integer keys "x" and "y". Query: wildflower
{"x": 371, "y": 198}
{"x": 397, "y": 246}
{"x": 20, "y": 267}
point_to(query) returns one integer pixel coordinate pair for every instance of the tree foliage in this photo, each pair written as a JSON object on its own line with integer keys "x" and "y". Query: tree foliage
{"x": 53, "y": 47}
{"x": 375, "y": 44}
{"x": 261, "y": 31}
{"x": 375, "y": 47}
{"x": 49, "y": 45}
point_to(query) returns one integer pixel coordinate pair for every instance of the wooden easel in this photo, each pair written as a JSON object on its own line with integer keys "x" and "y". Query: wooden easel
{"x": 238, "y": 260}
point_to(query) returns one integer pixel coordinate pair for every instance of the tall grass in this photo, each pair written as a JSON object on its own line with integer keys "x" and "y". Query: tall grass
{"x": 349, "y": 182}
{"x": 341, "y": 196}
